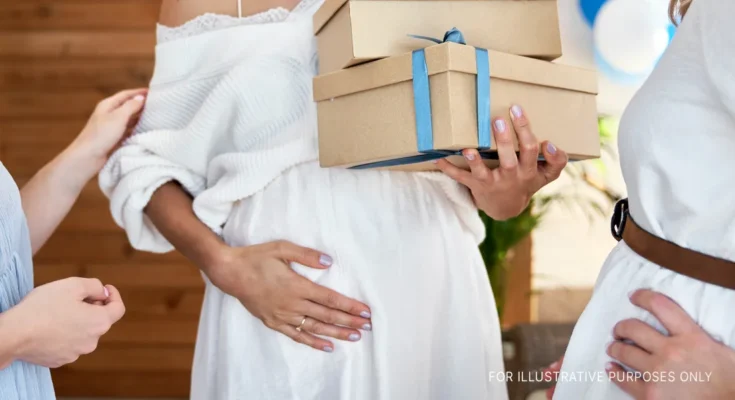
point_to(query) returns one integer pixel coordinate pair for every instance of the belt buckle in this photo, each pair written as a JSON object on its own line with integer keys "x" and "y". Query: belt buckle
{"x": 620, "y": 216}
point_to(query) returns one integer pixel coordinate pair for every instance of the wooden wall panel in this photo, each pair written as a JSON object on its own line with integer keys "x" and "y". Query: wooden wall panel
{"x": 112, "y": 383}
{"x": 74, "y": 74}
{"x": 83, "y": 14}
{"x": 58, "y": 58}
{"x": 68, "y": 44}
{"x": 32, "y": 132}
{"x": 57, "y": 104}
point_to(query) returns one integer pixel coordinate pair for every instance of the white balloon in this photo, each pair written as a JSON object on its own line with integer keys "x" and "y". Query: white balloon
{"x": 631, "y": 35}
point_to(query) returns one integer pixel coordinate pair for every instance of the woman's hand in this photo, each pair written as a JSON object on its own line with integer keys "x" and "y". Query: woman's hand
{"x": 506, "y": 191}
{"x": 56, "y": 322}
{"x": 262, "y": 279}
{"x": 66, "y": 175}
{"x": 687, "y": 350}
{"x": 552, "y": 372}
{"x": 113, "y": 118}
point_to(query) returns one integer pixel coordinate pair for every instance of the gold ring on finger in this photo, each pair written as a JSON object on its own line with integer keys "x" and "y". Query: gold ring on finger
{"x": 301, "y": 325}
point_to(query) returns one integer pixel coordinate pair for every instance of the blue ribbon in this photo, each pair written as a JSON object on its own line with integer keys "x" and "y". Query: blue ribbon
{"x": 422, "y": 106}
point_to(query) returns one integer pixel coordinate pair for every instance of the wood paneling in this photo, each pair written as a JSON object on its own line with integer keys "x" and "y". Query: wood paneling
{"x": 144, "y": 359}
{"x": 518, "y": 293}
{"x": 74, "y": 74}
{"x": 153, "y": 332}
{"x": 69, "y": 44}
{"x": 80, "y": 14}
{"x": 162, "y": 303}
{"x": 98, "y": 248}
{"x": 113, "y": 383}
{"x": 57, "y": 60}
{"x": 58, "y": 104}
{"x": 153, "y": 276}
{"x": 30, "y": 133}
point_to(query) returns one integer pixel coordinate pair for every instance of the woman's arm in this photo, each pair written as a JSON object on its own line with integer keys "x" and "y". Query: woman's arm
{"x": 170, "y": 210}
{"x": 11, "y": 338}
{"x": 49, "y": 196}
{"x": 51, "y": 193}
{"x": 260, "y": 276}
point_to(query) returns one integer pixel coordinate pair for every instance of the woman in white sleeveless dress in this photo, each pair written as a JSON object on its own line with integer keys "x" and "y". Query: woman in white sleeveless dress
{"x": 388, "y": 298}
{"x": 677, "y": 140}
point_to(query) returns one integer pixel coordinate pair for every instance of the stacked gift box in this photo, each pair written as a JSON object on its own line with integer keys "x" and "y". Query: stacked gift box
{"x": 404, "y": 82}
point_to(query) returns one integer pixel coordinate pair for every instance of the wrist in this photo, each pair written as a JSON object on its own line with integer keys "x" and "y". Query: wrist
{"x": 76, "y": 166}
{"x": 217, "y": 266}
{"x": 15, "y": 337}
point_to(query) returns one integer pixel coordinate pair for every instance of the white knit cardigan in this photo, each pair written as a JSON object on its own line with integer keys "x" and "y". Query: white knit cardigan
{"x": 227, "y": 112}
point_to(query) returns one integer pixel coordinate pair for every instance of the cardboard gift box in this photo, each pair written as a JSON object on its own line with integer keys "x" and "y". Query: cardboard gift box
{"x": 351, "y": 32}
{"x": 403, "y": 111}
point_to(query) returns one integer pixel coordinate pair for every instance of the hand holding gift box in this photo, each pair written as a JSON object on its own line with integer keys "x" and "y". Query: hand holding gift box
{"x": 506, "y": 191}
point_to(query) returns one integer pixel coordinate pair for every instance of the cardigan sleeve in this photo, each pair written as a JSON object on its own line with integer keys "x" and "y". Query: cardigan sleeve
{"x": 130, "y": 178}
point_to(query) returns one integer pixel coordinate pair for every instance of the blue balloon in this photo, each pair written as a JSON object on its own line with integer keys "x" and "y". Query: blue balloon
{"x": 590, "y": 8}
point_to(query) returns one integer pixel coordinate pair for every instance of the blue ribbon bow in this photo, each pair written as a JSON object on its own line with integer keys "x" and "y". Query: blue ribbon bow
{"x": 422, "y": 106}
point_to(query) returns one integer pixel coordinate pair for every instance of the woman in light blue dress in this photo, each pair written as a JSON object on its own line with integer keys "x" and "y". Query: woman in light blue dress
{"x": 53, "y": 324}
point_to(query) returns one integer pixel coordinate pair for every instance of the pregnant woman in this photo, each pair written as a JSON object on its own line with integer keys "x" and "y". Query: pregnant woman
{"x": 320, "y": 283}
{"x": 677, "y": 140}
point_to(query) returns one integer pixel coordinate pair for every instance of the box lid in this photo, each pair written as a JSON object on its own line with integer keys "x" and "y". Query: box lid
{"x": 453, "y": 57}
{"x": 326, "y": 12}
{"x": 330, "y": 7}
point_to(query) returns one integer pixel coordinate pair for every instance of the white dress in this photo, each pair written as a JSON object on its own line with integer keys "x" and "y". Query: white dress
{"x": 677, "y": 141}
{"x": 229, "y": 115}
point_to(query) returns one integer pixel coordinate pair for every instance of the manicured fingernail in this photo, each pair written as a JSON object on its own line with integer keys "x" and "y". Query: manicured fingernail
{"x": 551, "y": 148}
{"x": 500, "y": 125}
{"x": 631, "y": 293}
{"x": 139, "y": 97}
{"x": 107, "y": 292}
{"x": 469, "y": 156}
{"x": 354, "y": 337}
{"x": 516, "y": 111}
{"x": 608, "y": 346}
{"x": 609, "y": 366}
{"x": 434, "y": 161}
{"x": 554, "y": 365}
{"x": 325, "y": 260}
{"x": 365, "y": 314}
{"x": 328, "y": 349}
{"x": 367, "y": 327}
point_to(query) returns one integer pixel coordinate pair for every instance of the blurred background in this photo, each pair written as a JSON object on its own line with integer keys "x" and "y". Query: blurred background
{"x": 59, "y": 57}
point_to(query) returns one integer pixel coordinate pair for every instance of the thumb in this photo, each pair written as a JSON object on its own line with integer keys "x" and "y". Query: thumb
{"x": 302, "y": 255}
{"x": 555, "y": 161}
{"x": 114, "y": 305}
{"x": 91, "y": 290}
{"x": 131, "y": 106}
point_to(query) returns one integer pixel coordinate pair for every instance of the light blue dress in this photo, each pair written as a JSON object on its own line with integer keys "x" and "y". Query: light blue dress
{"x": 19, "y": 381}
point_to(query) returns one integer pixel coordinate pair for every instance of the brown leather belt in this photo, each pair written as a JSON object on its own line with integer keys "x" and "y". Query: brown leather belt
{"x": 669, "y": 255}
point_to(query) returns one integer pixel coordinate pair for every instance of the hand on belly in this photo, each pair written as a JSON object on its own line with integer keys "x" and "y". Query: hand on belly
{"x": 262, "y": 279}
